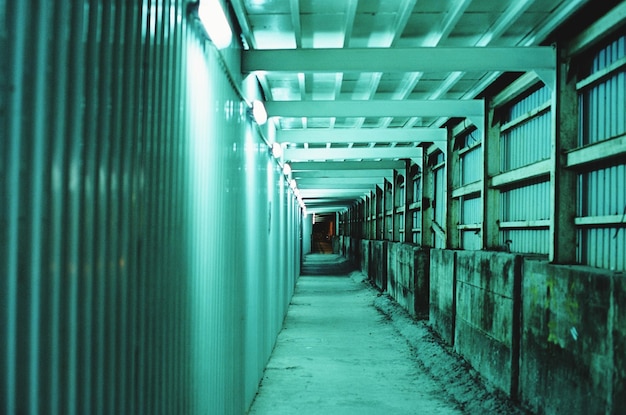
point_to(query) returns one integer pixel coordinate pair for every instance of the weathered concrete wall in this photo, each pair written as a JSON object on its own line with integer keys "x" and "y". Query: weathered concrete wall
{"x": 355, "y": 251}
{"x": 573, "y": 340}
{"x": 378, "y": 265}
{"x": 551, "y": 336}
{"x": 619, "y": 344}
{"x": 365, "y": 256}
{"x": 487, "y": 317}
{"x": 407, "y": 277}
{"x": 443, "y": 293}
{"x": 337, "y": 243}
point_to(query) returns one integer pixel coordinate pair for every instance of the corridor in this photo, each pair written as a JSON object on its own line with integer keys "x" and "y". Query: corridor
{"x": 315, "y": 206}
{"x": 341, "y": 352}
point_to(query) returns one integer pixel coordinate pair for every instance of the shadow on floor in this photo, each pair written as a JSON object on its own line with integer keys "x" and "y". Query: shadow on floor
{"x": 322, "y": 247}
{"x": 326, "y": 264}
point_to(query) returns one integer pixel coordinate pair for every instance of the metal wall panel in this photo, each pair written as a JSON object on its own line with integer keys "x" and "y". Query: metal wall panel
{"x": 529, "y": 141}
{"x": 471, "y": 213}
{"x": 528, "y": 203}
{"x": 601, "y": 191}
{"x": 471, "y": 166}
{"x": 602, "y": 103}
{"x": 149, "y": 244}
{"x": 471, "y": 210}
{"x": 523, "y": 144}
{"x": 526, "y": 241}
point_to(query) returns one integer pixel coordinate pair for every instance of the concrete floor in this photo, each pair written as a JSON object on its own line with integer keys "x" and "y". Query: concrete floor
{"x": 347, "y": 349}
{"x": 337, "y": 354}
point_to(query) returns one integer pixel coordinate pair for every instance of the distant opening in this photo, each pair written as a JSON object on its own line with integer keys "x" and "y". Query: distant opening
{"x": 323, "y": 232}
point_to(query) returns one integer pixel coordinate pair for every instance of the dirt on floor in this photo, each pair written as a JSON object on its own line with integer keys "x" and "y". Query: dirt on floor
{"x": 459, "y": 382}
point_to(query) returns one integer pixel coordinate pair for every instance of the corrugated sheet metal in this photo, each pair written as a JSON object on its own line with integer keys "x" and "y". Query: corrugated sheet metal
{"x": 471, "y": 166}
{"x": 526, "y": 241}
{"x": 602, "y": 103}
{"x": 601, "y": 192}
{"x": 471, "y": 213}
{"x": 471, "y": 240}
{"x": 147, "y": 263}
{"x": 528, "y": 203}
{"x": 529, "y": 141}
{"x": 471, "y": 210}
{"x": 521, "y": 145}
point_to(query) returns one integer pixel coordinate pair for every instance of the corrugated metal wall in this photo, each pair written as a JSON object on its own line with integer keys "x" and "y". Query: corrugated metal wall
{"x": 527, "y": 142}
{"x": 149, "y": 244}
{"x": 603, "y": 194}
{"x": 522, "y": 144}
{"x": 471, "y": 160}
{"x": 602, "y": 103}
{"x": 602, "y": 190}
{"x": 471, "y": 171}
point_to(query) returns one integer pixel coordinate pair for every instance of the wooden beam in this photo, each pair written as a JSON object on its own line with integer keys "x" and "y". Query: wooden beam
{"x": 361, "y": 135}
{"x": 419, "y": 59}
{"x": 303, "y": 154}
{"x": 346, "y": 165}
{"x": 377, "y": 108}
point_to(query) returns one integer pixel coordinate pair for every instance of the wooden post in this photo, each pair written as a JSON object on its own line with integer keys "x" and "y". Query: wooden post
{"x": 562, "y": 180}
{"x": 491, "y": 167}
{"x": 453, "y": 205}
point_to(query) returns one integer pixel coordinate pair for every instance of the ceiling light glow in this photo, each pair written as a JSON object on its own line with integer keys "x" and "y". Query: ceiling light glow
{"x": 258, "y": 112}
{"x": 286, "y": 169}
{"x": 277, "y": 150}
{"x": 215, "y": 23}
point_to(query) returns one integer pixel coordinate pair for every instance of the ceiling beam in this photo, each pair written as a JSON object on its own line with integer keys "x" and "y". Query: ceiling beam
{"x": 333, "y": 183}
{"x": 329, "y": 209}
{"x": 303, "y": 154}
{"x": 319, "y": 201}
{"x": 337, "y": 185}
{"x": 420, "y": 59}
{"x": 362, "y": 135}
{"x": 377, "y": 108}
{"x": 339, "y": 174}
{"x": 344, "y": 193}
{"x": 346, "y": 165}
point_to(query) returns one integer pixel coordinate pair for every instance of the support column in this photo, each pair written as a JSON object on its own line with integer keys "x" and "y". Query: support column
{"x": 428, "y": 193}
{"x": 491, "y": 168}
{"x": 562, "y": 180}
{"x": 453, "y": 205}
{"x": 395, "y": 224}
{"x": 408, "y": 196}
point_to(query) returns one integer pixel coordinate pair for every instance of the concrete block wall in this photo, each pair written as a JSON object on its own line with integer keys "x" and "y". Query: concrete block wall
{"x": 573, "y": 347}
{"x": 378, "y": 264}
{"x": 443, "y": 293}
{"x": 550, "y": 336}
{"x": 407, "y": 277}
{"x": 365, "y": 256}
{"x": 337, "y": 244}
{"x": 487, "y": 315}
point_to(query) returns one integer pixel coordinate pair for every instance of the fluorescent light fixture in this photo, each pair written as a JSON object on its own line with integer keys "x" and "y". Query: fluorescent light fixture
{"x": 215, "y": 23}
{"x": 258, "y": 112}
{"x": 277, "y": 150}
{"x": 286, "y": 169}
